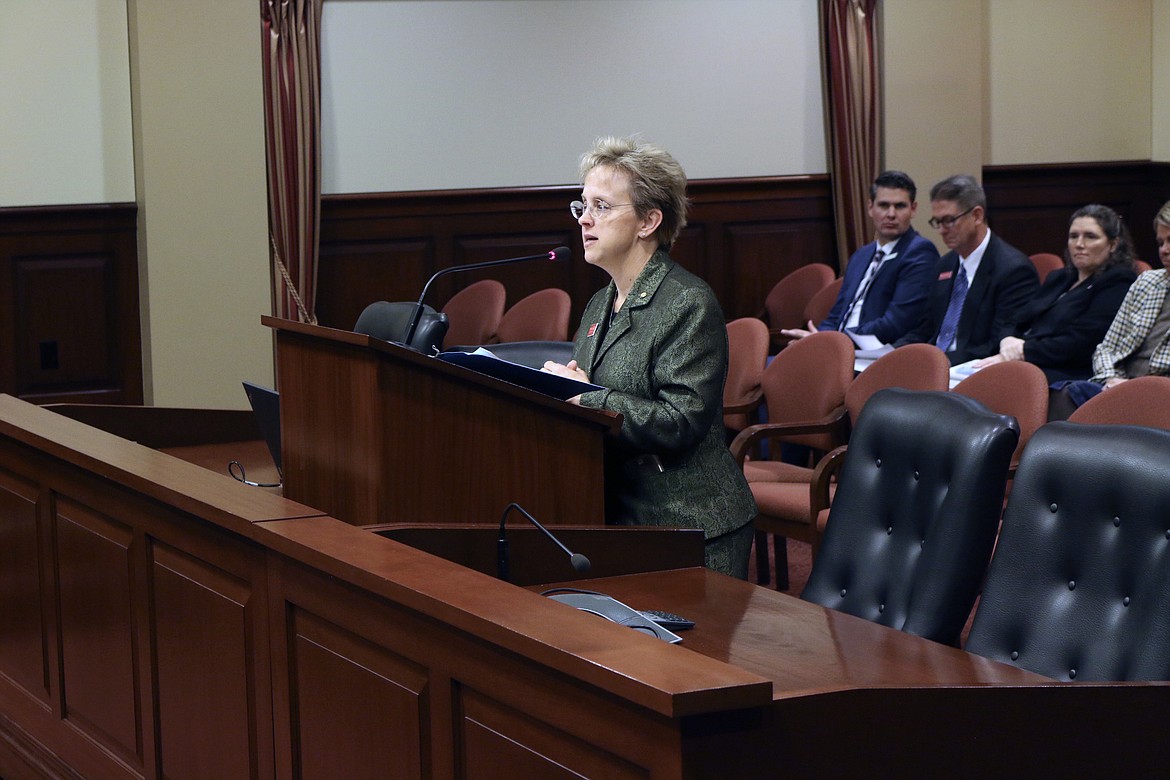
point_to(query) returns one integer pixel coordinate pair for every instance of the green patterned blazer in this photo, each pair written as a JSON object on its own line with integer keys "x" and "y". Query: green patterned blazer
{"x": 663, "y": 361}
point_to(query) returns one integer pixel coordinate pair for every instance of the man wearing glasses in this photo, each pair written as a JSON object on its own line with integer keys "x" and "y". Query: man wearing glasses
{"x": 982, "y": 282}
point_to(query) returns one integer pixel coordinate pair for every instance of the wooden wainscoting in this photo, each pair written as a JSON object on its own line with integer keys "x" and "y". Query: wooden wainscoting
{"x": 69, "y": 309}
{"x": 1030, "y": 205}
{"x": 69, "y": 323}
{"x": 743, "y": 236}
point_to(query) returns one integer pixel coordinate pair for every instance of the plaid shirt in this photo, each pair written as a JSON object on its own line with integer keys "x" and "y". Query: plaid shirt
{"x": 1136, "y": 317}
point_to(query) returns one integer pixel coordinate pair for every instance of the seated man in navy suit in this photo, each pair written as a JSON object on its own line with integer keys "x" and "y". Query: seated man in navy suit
{"x": 981, "y": 284}
{"x": 887, "y": 282}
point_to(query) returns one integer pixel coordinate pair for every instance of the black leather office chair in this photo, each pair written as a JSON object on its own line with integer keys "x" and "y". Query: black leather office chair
{"x": 388, "y": 321}
{"x": 1080, "y": 585}
{"x": 916, "y": 512}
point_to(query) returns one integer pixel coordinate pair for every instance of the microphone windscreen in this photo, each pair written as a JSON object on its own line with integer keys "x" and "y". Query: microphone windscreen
{"x": 560, "y": 253}
{"x": 580, "y": 563}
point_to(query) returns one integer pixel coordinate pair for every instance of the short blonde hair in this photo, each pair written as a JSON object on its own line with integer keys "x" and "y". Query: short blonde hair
{"x": 657, "y": 181}
{"x": 1163, "y": 217}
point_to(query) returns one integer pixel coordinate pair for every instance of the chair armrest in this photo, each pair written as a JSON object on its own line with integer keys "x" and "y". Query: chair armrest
{"x": 825, "y": 472}
{"x": 749, "y": 403}
{"x": 753, "y": 434}
{"x": 776, "y": 337}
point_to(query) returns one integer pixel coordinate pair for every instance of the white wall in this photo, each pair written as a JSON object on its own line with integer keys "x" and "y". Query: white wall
{"x": 65, "y": 97}
{"x": 439, "y": 95}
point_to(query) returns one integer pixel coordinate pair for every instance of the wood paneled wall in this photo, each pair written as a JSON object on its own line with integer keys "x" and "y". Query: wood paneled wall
{"x": 69, "y": 309}
{"x": 743, "y": 236}
{"x": 1030, "y": 205}
{"x": 69, "y": 322}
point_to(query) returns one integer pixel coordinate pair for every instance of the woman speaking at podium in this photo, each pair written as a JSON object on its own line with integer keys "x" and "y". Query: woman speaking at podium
{"x": 655, "y": 339}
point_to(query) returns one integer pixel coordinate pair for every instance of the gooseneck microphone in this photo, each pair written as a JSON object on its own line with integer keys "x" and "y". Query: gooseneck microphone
{"x": 578, "y": 561}
{"x": 560, "y": 253}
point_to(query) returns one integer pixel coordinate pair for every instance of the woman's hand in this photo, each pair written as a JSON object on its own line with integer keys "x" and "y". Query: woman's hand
{"x": 1114, "y": 382}
{"x": 1011, "y": 348}
{"x": 570, "y": 370}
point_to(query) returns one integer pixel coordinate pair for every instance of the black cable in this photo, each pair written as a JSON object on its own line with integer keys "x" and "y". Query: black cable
{"x": 235, "y": 465}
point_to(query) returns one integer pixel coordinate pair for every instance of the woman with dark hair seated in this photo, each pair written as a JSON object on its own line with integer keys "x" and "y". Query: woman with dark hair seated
{"x": 1137, "y": 342}
{"x": 1062, "y": 325}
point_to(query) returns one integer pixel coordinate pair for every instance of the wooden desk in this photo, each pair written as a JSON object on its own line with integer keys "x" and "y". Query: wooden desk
{"x": 854, "y": 699}
{"x": 158, "y": 619}
{"x": 799, "y": 646}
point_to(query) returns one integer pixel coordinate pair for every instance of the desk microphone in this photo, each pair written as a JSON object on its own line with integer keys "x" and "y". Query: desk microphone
{"x": 579, "y": 561}
{"x": 560, "y": 253}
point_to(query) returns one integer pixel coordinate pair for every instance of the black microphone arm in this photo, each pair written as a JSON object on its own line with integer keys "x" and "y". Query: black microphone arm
{"x": 560, "y": 253}
{"x": 578, "y": 561}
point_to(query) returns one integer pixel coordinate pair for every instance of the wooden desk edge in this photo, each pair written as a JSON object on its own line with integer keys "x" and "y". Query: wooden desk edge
{"x": 610, "y": 421}
{"x": 667, "y": 679}
{"x": 190, "y": 488}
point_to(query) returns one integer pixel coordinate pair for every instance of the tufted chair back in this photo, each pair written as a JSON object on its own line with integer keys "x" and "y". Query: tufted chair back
{"x": 1080, "y": 585}
{"x": 916, "y": 512}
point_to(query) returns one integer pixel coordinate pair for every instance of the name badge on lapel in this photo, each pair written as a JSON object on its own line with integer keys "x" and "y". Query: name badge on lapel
{"x": 592, "y": 330}
{"x": 945, "y": 275}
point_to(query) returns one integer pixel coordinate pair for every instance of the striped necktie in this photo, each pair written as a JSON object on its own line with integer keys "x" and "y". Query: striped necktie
{"x": 862, "y": 290}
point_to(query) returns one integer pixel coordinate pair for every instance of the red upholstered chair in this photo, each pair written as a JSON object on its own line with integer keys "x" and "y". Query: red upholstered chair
{"x": 1141, "y": 266}
{"x": 542, "y": 316}
{"x": 1015, "y": 388}
{"x": 1141, "y": 401}
{"x": 474, "y": 313}
{"x": 790, "y": 500}
{"x": 747, "y": 343}
{"x": 1046, "y": 263}
{"x": 804, "y": 391}
{"x": 786, "y": 301}
{"x": 822, "y": 303}
{"x": 912, "y": 367}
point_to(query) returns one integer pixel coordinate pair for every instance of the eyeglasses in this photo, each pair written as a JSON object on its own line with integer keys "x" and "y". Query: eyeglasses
{"x": 946, "y": 222}
{"x": 599, "y": 210}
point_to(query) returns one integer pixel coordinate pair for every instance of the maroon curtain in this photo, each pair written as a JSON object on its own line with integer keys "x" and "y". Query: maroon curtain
{"x": 853, "y": 114}
{"x": 291, "y": 34}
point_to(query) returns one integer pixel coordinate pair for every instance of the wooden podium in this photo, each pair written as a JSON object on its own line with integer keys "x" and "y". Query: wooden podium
{"x": 374, "y": 432}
